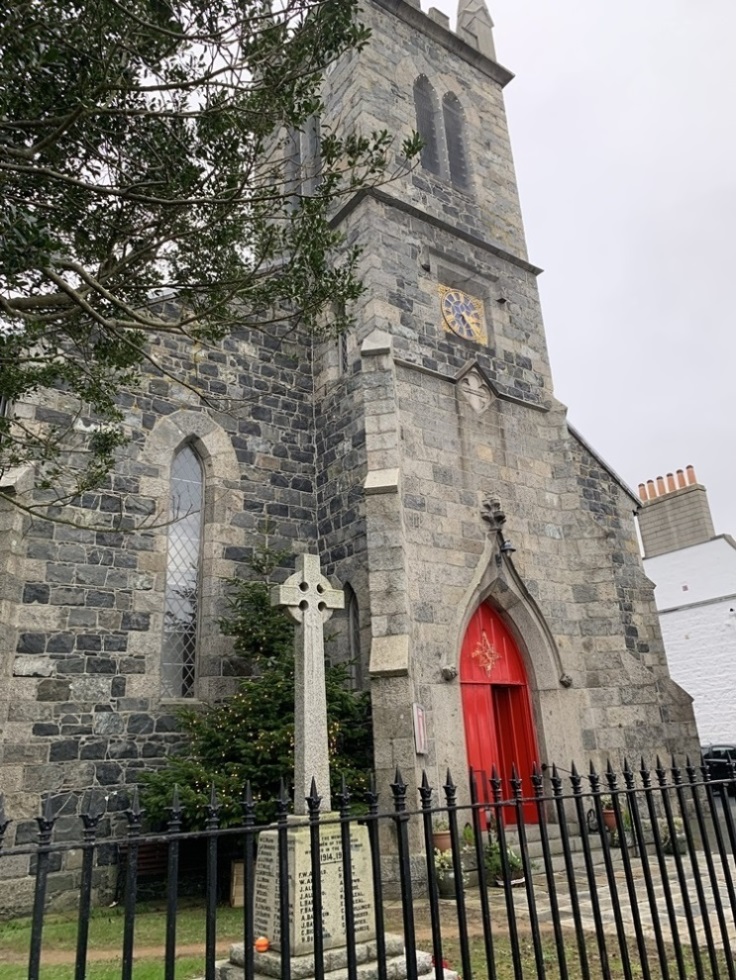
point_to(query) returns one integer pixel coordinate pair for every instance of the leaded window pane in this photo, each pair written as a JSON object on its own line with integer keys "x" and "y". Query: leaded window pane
{"x": 179, "y": 653}
{"x": 453, "y": 116}
{"x": 424, "y": 103}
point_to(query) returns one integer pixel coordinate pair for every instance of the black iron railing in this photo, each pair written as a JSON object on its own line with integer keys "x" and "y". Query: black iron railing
{"x": 600, "y": 875}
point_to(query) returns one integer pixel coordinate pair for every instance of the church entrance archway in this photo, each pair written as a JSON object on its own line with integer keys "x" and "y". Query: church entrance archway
{"x": 499, "y": 729}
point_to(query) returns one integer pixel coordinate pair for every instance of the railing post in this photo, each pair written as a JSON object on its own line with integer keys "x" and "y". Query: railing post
{"x": 401, "y": 817}
{"x": 172, "y": 884}
{"x": 577, "y": 792}
{"x": 526, "y": 864}
{"x": 539, "y": 800}
{"x": 210, "y": 939}
{"x": 282, "y": 809}
{"x": 90, "y": 820}
{"x": 638, "y": 831}
{"x": 45, "y": 828}
{"x": 559, "y": 799}
{"x": 457, "y": 867}
{"x": 425, "y": 793}
{"x": 480, "y": 856}
{"x": 646, "y": 781}
{"x": 343, "y": 799}
{"x": 509, "y": 898}
{"x": 371, "y": 799}
{"x": 313, "y": 802}
{"x": 672, "y": 832}
{"x": 249, "y": 868}
{"x": 135, "y": 817}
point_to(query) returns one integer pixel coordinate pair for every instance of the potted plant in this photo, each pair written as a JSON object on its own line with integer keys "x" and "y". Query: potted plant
{"x": 675, "y": 842}
{"x": 609, "y": 814}
{"x": 495, "y": 870}
{"x": 445, "y": 874}
{"x": 441, "y": 839}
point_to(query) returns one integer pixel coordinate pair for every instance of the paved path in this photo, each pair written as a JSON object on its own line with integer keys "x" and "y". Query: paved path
{"x": 674, "y": 924}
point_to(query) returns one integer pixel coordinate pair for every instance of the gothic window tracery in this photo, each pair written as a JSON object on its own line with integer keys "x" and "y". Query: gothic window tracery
{"x": 425, "y": 103}
{"x": 442, "y": 128}
{"x": 452, "y": 113}
{"x": 179, "y": 648}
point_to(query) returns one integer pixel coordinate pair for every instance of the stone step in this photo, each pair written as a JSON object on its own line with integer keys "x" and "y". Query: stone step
{"x": 268, "y": 965}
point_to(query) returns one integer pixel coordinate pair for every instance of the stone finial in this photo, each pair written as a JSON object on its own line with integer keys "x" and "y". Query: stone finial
{"x": 475, "y": 27}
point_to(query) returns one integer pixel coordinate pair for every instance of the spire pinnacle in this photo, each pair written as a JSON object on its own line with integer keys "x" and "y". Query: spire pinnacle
{"x": 475, "y": 27}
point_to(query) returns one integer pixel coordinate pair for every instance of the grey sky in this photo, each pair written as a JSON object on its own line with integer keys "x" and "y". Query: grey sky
{"x": 623, "y": 125}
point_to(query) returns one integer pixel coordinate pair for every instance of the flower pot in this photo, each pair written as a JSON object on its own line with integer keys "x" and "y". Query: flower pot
{"x": 446, "y": 885}
{"x": 609, "y": 819}
{"x": 441, "y": 840}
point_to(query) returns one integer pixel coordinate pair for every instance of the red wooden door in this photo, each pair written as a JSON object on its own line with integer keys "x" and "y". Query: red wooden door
{"x": 499, "y": 729}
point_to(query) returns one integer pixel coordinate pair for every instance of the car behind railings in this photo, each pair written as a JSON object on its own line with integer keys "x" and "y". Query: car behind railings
{"x": 718, "y": 758}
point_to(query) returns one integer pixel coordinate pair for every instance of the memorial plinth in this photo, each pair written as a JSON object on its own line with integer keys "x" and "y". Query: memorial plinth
{"x": 301, "y": 913}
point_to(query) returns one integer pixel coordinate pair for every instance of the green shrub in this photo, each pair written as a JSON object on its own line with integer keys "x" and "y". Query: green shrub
{"x": 251, "y": 734}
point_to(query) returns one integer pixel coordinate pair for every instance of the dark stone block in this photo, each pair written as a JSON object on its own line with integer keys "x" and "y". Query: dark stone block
{"x": 123, "y": 750}
{"x": 115, "y": 643}
{"x": 132, "y": 665}
{"x": 167, "y": 723}
{"x": 61, "y": 643}
{"x": 93, "y": 750}
{"x": 89, "y": 641}
{"x": 43, "y": 728}
{"x": 64, "y": 751}
{"x": 118, "y": 687}
{"x": 136, "y": 621}
{"x": 53, "y": 690}
{"x": 36, "y": 593}
{"x": 100, "y": 665}
{"x": 140, "y": 724}
{"x": 109, "y": 773}
{"x": 61, "y": 596}
{"x": 97, "y": 598}
{"x": 31, "y": 643}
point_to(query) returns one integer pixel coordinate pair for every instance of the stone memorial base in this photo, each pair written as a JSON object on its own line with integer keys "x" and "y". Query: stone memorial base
{"x": 301, "y": 909}
{"x": 268, "y": 965}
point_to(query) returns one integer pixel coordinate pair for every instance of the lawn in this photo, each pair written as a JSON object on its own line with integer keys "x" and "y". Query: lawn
{"x": 106, "y": 932}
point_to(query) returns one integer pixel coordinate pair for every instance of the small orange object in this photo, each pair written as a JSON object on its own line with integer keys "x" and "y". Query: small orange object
{"x": 262, "y": 944}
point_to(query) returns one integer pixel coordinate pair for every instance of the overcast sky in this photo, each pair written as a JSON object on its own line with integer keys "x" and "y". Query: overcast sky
{"x": 623, "y": 126}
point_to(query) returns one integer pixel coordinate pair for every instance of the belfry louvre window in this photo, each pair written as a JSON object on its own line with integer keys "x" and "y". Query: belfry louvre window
{"x": 425, "y": 103}
{"x": 179, "y": 650}
{"x": 453, "y": 116}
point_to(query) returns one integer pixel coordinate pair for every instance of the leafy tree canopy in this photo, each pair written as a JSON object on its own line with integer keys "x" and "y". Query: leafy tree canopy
{"x": 250, "y": 736}
{"x": 145, "y": 148}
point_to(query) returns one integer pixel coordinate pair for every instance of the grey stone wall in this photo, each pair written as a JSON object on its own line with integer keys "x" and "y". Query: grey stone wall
{"x": 83, "y": 594}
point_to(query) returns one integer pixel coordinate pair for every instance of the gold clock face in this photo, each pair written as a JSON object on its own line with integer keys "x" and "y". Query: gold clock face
{"x": 463, "y": 314}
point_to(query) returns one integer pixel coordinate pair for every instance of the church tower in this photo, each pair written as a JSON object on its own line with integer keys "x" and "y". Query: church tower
{"x": 503, "y": 612}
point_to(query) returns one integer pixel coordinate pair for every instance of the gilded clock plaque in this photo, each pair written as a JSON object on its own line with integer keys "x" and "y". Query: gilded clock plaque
{"x": 462, "y": 314}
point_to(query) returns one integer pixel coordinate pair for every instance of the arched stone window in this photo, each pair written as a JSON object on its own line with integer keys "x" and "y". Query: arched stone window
{"x": 312, "y": 154}
{"x": 353, "y": 637}
{"x": 183, "y": 573}
{"x": 425, "y": 103}
{"x": 452, "y": 113}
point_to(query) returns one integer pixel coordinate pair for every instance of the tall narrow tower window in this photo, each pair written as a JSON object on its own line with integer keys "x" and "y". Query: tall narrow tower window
{"x": 425, "y": 103}
{"x": 312, "y": 154}
{"x": 452, "y": 113}
{"x": 179, "y": 651}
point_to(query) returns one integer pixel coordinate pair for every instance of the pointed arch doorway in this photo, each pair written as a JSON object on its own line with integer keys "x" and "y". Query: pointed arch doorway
{"x": 499, "y": 728}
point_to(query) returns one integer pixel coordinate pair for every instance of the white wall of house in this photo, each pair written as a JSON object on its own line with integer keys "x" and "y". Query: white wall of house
{"x": 696, "y": 599}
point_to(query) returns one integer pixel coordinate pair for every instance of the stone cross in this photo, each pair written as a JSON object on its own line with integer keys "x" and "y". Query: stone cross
{"x": 310, "y": 599}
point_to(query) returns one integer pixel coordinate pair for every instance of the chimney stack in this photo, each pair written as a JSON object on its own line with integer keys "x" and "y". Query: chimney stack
{"x": 675, "y": 513}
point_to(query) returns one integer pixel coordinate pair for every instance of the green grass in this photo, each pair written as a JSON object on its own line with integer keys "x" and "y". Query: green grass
{"x": 106, "y": 929}
{"x": 186, "y": 969}
{"x": 106, "y": 934}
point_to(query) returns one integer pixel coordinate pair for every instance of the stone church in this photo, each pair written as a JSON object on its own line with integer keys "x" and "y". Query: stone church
{"x": 496, "y": 602}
